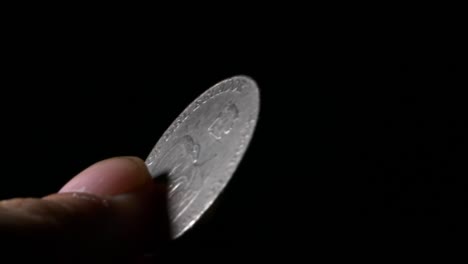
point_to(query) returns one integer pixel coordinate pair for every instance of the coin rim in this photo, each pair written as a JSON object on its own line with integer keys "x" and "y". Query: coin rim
{"x": 166, "y": 136}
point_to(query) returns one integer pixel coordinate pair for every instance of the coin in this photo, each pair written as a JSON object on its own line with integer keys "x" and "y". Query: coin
{"x": 202, "y": 148}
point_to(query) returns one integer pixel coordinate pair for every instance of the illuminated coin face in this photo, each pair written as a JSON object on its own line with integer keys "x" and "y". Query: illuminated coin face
{"x": 202, "y": 148}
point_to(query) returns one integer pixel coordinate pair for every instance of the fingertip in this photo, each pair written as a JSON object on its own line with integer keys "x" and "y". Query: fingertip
{"x": 110, "y": 177}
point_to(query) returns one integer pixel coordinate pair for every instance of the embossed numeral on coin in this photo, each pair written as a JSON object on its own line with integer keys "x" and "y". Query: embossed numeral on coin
{"x": 202, "y": 148}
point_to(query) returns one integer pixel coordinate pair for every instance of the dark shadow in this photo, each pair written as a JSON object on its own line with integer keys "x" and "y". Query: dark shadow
{"x": 161, "y": 240}
{"x": 162, "y": 211}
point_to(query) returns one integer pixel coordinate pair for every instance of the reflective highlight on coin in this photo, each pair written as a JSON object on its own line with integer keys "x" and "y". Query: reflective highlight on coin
{"x": 202, "y": 148}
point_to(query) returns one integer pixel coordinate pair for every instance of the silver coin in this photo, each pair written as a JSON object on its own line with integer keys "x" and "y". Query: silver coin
{"x": 202, "y": 148}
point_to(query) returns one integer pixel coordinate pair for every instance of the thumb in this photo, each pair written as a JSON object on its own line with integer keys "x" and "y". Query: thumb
{"x": 108, "y": 212}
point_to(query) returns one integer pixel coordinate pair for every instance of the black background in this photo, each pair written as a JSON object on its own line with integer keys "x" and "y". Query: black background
{"x": 361, "y": 139}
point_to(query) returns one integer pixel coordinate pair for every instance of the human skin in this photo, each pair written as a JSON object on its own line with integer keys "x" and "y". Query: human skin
{"x": 111, "y": 212}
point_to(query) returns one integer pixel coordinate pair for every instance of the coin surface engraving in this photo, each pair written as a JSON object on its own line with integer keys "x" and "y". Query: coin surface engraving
{"x": 202, "y": 148}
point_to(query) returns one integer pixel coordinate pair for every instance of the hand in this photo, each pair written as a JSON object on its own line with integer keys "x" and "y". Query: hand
{"x": 109, "y": 213}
